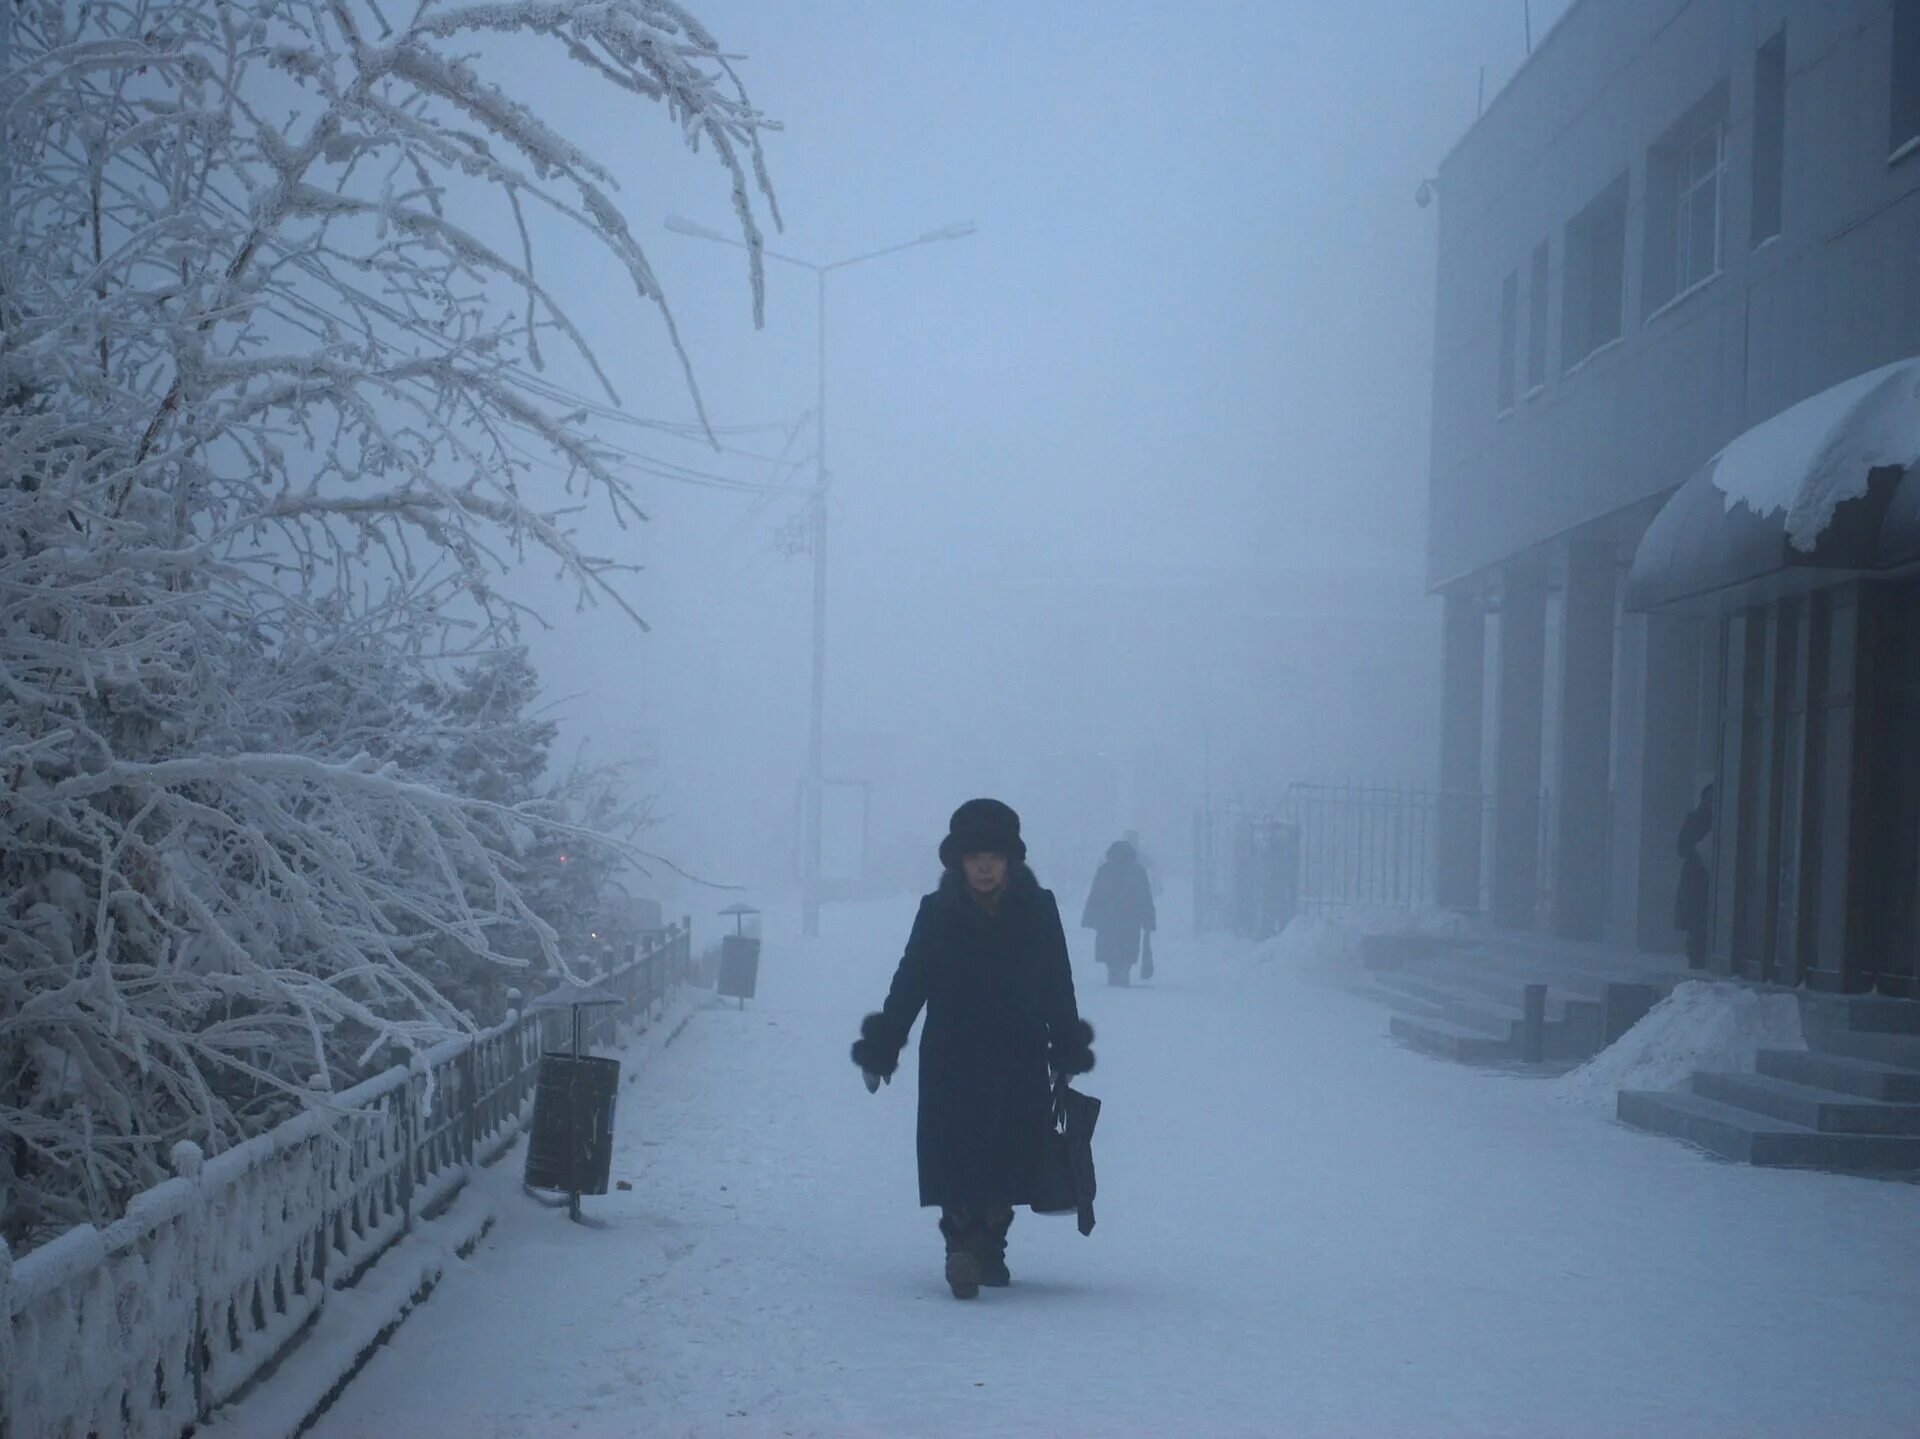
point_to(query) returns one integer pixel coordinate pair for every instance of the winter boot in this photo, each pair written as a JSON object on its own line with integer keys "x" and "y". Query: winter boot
{"x": 993, "y": 1249}
{"x": 962, "y": 1232}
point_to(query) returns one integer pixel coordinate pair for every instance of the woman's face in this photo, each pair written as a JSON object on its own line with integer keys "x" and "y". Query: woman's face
{"x": 985, "y": 872}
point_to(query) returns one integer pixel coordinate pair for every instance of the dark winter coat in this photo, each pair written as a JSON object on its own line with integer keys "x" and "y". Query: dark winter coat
{"x": 1122, "y": 896}
{"x": 1692, "y": 899}
{"x": 998, "y": 991}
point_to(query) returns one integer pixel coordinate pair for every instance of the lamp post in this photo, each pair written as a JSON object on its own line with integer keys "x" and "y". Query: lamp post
{"x": 811, "y": 795}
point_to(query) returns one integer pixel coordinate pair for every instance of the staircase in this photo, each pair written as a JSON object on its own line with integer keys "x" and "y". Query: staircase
{"x": 1849, "y": 1102}
{"x": 1466, "y": 998}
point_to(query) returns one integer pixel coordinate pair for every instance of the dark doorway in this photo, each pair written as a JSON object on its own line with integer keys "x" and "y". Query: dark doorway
{"x": 1891, "y": 958}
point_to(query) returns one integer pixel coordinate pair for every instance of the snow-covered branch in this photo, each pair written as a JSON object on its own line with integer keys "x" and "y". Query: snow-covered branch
{"x": 270, "y": 302}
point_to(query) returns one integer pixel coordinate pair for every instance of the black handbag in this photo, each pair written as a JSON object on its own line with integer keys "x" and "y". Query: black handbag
{"x": 1065, "y": 1182}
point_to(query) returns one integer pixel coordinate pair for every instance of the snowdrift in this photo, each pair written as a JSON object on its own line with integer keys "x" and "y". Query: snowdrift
{"x": 1330, "y": 946}
{"x": 1701, "y": 1025}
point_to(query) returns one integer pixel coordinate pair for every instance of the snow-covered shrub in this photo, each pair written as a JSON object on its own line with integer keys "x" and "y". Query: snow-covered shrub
{"x": 270, "y": 428}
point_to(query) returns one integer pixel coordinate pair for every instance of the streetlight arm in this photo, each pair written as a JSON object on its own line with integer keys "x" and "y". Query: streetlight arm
{"x": 946, "y": 232}
{"x": 956, "y": 231}
{"x": 681, "y": 226}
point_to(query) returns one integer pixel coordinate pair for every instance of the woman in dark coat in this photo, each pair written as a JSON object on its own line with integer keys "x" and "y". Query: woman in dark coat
{"x": 1119, "y": 911}
{"x": 988, "y": 960}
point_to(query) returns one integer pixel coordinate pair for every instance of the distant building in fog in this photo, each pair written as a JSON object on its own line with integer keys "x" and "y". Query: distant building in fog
{"x": 1681, "y": 218}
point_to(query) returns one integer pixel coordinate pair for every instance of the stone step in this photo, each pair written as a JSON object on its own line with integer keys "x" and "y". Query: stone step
{"x": 1450, "y": 1004}
{"x": 1399, "y": 1001}
{"x": 1508, "y": 1002}
{"x": 1868, "y": 1013}
{"x": 1571, "y": 1032}
{"x": 1394, "y": 951}
{"x": 1749, "y": 1138}
{"x": 1589, "y": 971}
{"x": 1519, "y": 969}
{"x": 1444, "y": 1040}
{"x": 1902, "y": 1050}
{"x": 1455, "y": 975}
{"x": 1821, "y": 1109}
{"x": 1864, "y": 1078}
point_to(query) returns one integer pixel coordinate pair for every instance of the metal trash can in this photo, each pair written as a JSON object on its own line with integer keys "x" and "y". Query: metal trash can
{"x": 570, "y": 1147}
{"x": 739, "y": 967}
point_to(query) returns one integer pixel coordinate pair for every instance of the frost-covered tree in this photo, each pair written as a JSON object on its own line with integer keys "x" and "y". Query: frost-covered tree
{"x": 271, "y": 426}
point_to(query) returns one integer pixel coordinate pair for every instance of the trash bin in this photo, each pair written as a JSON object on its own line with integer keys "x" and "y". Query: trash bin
{"x": 739, "y": 967}
{"x": 570, "y": 1147}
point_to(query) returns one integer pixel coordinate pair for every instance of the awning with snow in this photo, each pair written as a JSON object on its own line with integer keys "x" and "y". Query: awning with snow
{"x": 1831, "y": 484}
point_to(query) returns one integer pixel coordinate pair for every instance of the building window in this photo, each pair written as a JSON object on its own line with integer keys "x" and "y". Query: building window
{"x": 1686, "y": 201}
{"x": 1593, "y": 277}
{"x": 1509, "y": 338}
{"x": 1537, "y": 320}
{"x": 1769, "y": 136}
{"x": 1903, "y": 132}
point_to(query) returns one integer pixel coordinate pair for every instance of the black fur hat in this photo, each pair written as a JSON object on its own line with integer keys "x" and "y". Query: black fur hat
{"x": 983, "y": 826}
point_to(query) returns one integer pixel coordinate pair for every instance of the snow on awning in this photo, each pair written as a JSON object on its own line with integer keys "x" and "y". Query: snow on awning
{"x": 1827, "y": 484}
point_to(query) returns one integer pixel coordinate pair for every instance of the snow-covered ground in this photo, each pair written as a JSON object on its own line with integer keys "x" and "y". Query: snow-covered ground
{"x": 1303, "y": 1230}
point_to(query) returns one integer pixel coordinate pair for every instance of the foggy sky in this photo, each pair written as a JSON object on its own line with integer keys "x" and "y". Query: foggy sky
{"x": 1192, "y": 337}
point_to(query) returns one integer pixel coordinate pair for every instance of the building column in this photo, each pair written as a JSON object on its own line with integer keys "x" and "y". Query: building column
{"x": 1582, "y": 820}
{"x": 1628, "y": 761}
{"x": 1520, "y": 692}
{"x": 1462, "y": 680}
{"x": 1841, "y": 806}
{"x": 1740, "y": 793}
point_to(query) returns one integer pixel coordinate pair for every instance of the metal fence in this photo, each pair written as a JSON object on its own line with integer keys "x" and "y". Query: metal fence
{"x": 145, "y": 1327}
{"x": 1366, "y": 845}
{"x": 1324, "y": 847}
{"x": 1245, "y": 870}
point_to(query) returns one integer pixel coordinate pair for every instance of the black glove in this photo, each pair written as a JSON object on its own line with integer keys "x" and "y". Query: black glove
{"x": 876, "y": 1051}
{"x": 1071, "y": 1052}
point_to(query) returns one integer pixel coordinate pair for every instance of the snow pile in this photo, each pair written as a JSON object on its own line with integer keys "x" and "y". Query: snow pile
{"x": 1332, "y": 945}
{"x": 1811, "y": 457}
{"x": 1701, "y": 1025}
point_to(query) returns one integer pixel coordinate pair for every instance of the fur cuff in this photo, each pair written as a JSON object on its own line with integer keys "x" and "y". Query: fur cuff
{"x": 1072, "y": 1052}
{"x": 876, "y": 1051}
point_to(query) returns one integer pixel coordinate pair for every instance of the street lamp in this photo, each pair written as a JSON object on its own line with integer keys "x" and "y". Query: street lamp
{"x": 811, "y": 803}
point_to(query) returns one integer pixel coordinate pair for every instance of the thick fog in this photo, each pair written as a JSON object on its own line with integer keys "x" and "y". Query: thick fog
{"x": 1127, "y": 486}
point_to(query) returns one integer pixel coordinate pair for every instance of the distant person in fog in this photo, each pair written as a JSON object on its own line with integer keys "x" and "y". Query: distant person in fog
{"x": 988, "y": 959}
{"x": 1121, "y": 915}
{"x": 1692, "y": 908}
{"x": 1140, "y": 853}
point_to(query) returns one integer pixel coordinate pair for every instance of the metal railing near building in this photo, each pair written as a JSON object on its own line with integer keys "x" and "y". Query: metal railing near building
{"x": 1324, "y": 847}
{"x": 145, "y": 1327}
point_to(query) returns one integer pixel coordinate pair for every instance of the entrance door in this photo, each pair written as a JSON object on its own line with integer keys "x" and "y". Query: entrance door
{"x": 1892, "y": 919}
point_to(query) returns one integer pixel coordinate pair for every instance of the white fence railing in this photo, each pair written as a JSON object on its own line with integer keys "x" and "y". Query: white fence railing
{"x": 145, "y": 1327}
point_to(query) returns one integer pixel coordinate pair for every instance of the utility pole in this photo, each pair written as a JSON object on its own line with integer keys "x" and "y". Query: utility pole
{"x": 813, "y": 788}
{"x": 813, "y": 793}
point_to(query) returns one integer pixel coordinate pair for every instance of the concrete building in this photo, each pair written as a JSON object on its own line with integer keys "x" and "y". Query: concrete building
{"x": 1681, "y": 219}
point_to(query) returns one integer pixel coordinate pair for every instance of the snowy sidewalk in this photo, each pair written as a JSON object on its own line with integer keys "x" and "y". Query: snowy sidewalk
{"x": 1303, "y": 1230}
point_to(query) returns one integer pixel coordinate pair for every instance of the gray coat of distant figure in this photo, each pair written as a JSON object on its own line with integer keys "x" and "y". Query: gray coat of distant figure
{"x": 1120, "y": 913}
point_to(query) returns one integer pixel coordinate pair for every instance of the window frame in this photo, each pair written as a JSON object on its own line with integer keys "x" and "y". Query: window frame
{"x": 1604, "y": 216}
{"x": 1539, "y": 312}
{"x": 1506, "y": 387}
{"x": 1687, "y": 192}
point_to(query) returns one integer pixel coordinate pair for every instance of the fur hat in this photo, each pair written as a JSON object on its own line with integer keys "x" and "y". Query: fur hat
{"x": 983, "y": 826}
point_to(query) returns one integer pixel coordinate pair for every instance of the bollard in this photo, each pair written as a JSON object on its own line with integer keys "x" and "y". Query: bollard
{"x": 1533, "y": 1028}
{"x": 1624, "y": 1006}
